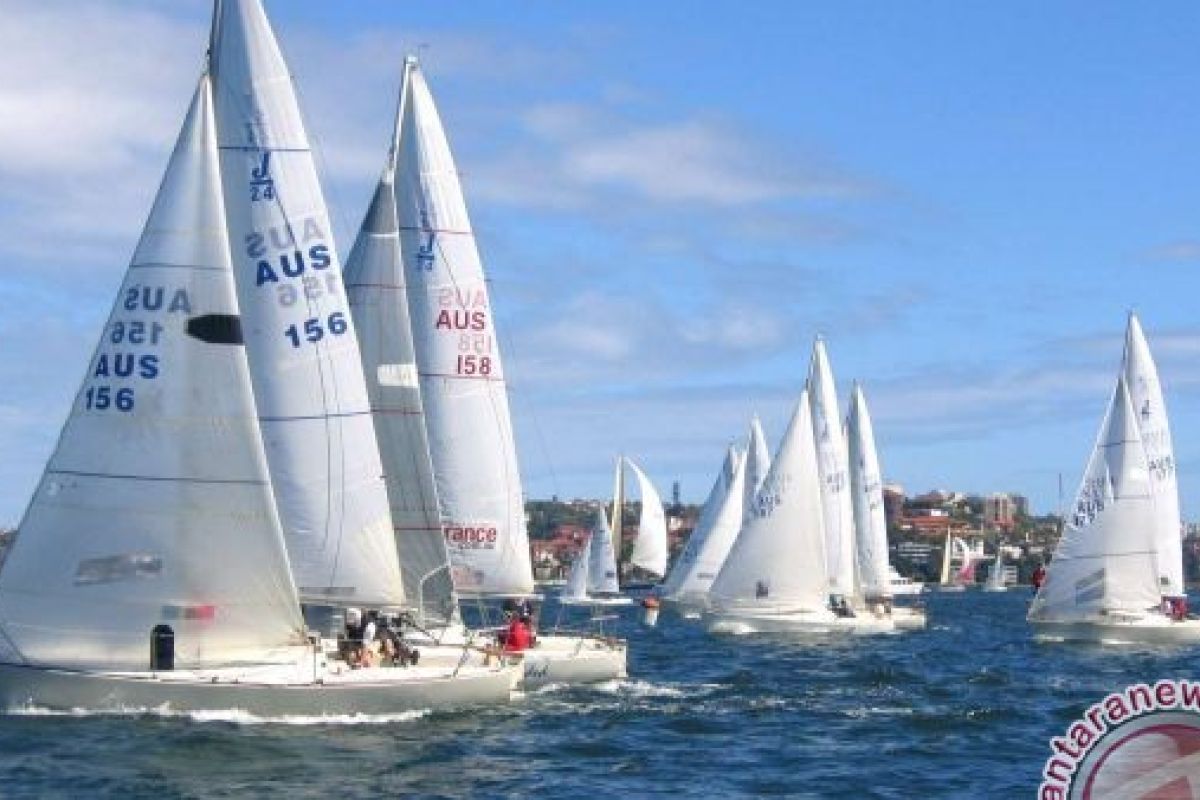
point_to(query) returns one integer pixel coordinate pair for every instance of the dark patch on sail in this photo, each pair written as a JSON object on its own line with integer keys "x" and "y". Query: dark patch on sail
{"x": 1090, "y": 588}
{"x": 216, "y": 328}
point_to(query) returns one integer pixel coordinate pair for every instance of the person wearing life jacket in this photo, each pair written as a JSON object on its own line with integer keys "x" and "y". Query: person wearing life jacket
{"x": 1038, "y": 577}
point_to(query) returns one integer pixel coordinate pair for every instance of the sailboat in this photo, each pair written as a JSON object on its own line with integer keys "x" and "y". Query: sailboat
{"x": 774, "y": 579}
{"x": 996, "y": 578}
{"x": 649, "y": 552}
{"x": 846, "y": 582}
{"x": 169, "y": 462}
{"x": 870, "y": 523}
{"x": 435, "y": 347}
{"x": 593, "y": 577}
{"x": 950, "y": 580}
{"x": 1110, "y": 579}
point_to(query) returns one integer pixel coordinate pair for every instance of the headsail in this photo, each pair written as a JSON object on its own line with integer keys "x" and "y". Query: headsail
{"x": 156, "y": 507}
{"x": 758, "y": 463}
{"x": 709, "y": 544}
{"x": 602, "y": 564}
{"x": 577, "y": 580}
{"x": 376, "y": 283}
{"x": 835, "y": 485}
{"x": 460, "y": 371}
{"x": 1105, "y": 560}
{"x": 1145, "y": 392}
{"x": 650, "y": 547}
{"x": 866, "y": 491}
{"x": 779, "y": 557}
{"x": 300, "y": 340}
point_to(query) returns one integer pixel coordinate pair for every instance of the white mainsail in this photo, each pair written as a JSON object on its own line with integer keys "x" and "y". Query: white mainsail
{"x": 300, "y": 340}
{"x": 778, "y": 559}
{"x": 460, "y": 373}
{"x": 156, "y": 507}
{"x": 758, "y": 463}
{"x": 720, "y": 520}
{"x": 1145, "y": 392}
{"x": 947, "y": 557}
{"x": 576, "y": 587}
{"x": 375, "y": 282}
{"x": 831, "y": 460}
{"x": 650, "y": 547}
{"x": 602, "y": 564}
{"x": 1105, "y": 559}
{"x": 866, "y": 491}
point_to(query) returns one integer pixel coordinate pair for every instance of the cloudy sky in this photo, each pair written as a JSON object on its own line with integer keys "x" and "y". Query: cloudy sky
{"x": 672, "y": 199}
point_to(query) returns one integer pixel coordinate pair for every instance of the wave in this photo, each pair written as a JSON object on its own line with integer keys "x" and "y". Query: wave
{"x": 229, "y": 716}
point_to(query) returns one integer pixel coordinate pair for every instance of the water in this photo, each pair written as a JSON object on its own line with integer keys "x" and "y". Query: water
{"x": 963, "y": 709}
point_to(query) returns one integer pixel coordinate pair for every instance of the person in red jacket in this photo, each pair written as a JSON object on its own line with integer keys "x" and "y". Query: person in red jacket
{"x": 519, "y": 636}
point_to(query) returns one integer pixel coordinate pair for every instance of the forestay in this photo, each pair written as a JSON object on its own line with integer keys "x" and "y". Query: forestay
{"x": 1145, "y": 392}
{"x": 300, "y": 340}
{"x": 1105, "y": 561}
{"x": 778, "y": 559}
{"x": 866, "y": 491}
{"x": 461, "y": 375}
{"x": 155, "y": 508}
{"x": 375, "y": 281}
{"x": 831, "y": 461}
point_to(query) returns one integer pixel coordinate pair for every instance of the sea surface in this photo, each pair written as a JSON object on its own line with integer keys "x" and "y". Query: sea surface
{"x": 964, "y": 709}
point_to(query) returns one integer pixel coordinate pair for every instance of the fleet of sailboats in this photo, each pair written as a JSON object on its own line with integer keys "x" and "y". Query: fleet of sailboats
{"x": 219, "y": 465}
{"x": 335, "y": 441}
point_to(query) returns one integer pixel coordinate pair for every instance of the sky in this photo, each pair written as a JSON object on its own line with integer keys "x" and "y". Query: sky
{"x": 672, "y": 199}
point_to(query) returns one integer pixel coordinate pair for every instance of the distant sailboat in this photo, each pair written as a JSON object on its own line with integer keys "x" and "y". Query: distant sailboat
{"x": 720, "y": 520}
{"x": 439, "y": 393}
{"x": 593, "y": 578}
{"x": 950, "y": 581}
{"x": 649, "y": 552}
{"x": 1109, "y": 576}
{"x": 170, "y": 461}
{"x": 774, "y": 579}
{"x": 996, "y": 581}
{"x": 870, "y": 523}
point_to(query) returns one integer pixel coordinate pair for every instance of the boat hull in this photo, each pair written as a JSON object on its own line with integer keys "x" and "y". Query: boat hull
{"x": 738, "y": 622}
{"x": 1143, "y": 631}
{"x": 368, "y": 691}
{"x": 574, "y": 660}
{"x": 909, "y": 619}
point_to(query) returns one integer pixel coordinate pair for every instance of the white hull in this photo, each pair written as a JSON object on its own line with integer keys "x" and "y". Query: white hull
{"x": 745, "y": 621}
{"x": 688, "y": 607}
{"x": 595, "y": 601}
{"x": 263, "y": 692}
{"x": 949, "y": 587}
{"x": 995, "y": 588}
{"x": 907, "y": 589}
{"x": 574, "y": 659}
{"x": 1144, "y": 630}
{"x": 906, "y": 618}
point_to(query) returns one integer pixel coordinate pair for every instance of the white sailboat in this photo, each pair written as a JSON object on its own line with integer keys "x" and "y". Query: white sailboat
{"x": 870, "y": 522}
{"x": 949, "y": 580}
{"x": 996, "y": 581}
{"x": 160, "y": 472}
{"x": 650, "y": 547}
{"x": 774, "y": 579}
{"x": 902, "y": 586}
{"x": 832, "y": 463}
{"x": 593, "y": 578}
{"x": 1105, "y": 582}
{"x": 457, "y": 377}
{"x": 687, "y": 585}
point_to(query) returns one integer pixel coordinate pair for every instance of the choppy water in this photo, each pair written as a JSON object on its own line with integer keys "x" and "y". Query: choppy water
{"x": 964, "y": 709}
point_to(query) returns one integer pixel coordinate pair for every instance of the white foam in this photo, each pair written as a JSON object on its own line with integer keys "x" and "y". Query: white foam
{"x": 234, "y": 716}
{"x": 638, "y": 688}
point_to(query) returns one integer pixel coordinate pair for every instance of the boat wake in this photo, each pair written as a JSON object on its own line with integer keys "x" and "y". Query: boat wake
{"x": 229, "y": 716}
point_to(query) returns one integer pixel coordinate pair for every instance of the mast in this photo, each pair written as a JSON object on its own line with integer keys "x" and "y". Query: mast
{"x": 618, "y": 511}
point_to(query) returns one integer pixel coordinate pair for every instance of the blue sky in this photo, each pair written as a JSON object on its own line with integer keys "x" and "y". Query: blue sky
{"x": 673, "y": 198}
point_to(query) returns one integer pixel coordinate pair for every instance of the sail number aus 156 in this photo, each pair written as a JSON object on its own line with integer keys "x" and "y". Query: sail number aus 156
{"x": 314, "y": 330}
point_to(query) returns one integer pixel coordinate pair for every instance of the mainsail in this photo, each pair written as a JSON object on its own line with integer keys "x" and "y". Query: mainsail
{"x": 1145, "y": 392}
{"x": 300, "y": 340}
{"x": 709, "y": 544}
{"x": 866, "y": 491}
{"x": 835, "y": 486}
{"x": 156, "y": 507}
{"x": 375, "y": 281}
{"x": 778, "y": 559}
{"x": 1105, "y": 560}
{"x": 602, "y": 564}
{"x": 758, "y": 463}
{"x": 650, "y": 547}
{"x": 460, "y": 372}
